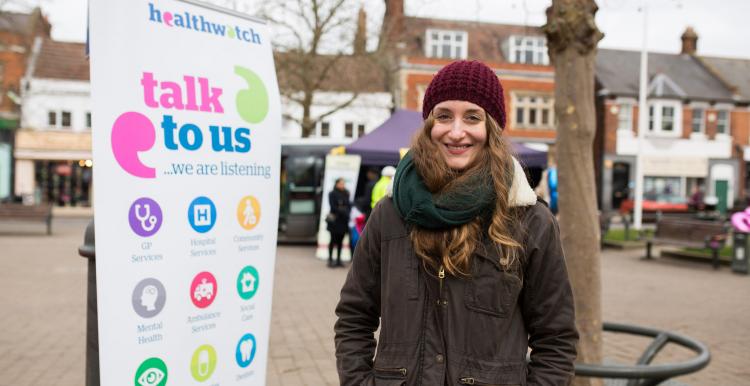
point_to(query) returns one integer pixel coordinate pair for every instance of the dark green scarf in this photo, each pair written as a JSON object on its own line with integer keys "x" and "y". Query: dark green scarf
{"x": 445, "y": 209}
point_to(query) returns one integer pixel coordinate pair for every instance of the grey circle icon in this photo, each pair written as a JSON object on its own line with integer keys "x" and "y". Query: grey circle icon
{"x": 149, "y": 297}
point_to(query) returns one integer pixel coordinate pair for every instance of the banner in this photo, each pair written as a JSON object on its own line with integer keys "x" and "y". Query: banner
{"x": 186, "y": 123}
{"x": 337, "y": 166}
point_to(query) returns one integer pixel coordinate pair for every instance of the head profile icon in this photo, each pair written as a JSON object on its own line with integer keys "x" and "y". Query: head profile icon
{"x": 149, "y": 296}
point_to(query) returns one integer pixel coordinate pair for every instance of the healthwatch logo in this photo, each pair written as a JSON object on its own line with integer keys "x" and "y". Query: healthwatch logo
{"x": 199, "y": 23}
{"x": 134, "y": 133}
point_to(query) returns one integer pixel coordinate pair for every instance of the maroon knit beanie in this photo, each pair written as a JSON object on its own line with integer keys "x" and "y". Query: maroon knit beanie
{"x": 470, "y": 81}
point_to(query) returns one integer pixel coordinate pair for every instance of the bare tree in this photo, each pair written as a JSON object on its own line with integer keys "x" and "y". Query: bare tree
{"x": 572, "y": 37}
{"x": 310, "y": 51}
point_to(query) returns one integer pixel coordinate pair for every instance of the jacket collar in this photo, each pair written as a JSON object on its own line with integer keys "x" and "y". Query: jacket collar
{"x": 521, "y": 193}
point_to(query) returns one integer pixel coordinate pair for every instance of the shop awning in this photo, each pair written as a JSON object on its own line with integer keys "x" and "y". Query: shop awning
{"x": 382, "y": 146}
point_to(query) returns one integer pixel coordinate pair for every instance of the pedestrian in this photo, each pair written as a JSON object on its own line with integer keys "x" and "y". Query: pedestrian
{"x": 462, "y": 268}
{"x": 383, "y": 186}
{"x": 365, "y": 201}
{"x": 338, "y": 220}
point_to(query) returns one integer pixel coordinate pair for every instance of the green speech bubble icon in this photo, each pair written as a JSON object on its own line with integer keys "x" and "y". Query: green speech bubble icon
{"x": 252, "y": 102}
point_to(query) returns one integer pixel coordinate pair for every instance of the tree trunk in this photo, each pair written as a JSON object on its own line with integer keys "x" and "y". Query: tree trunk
{"x": 572, "y": 38}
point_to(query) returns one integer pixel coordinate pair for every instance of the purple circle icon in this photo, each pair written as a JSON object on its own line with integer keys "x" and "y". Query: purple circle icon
{"x": 145, "y": 217}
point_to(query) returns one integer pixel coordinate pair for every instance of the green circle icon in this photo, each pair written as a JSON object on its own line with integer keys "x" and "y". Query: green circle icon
{"x": 152, "y": 372}
{"x": 247, "y": 282}
{"x": 203, "y": 364}
{"x": 252, "y": 102}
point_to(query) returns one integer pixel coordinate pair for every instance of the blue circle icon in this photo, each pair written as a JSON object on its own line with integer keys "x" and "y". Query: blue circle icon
{"x": 202, "y": 214}
{"x": 245, "y": 352}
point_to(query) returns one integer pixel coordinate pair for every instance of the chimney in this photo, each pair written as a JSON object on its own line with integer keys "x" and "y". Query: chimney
{"x": 360, "y": 38}
{"x": 393, "y": 24}
{"x": 689, "y": 41}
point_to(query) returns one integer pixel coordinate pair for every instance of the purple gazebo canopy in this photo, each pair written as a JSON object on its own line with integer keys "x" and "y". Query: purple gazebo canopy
{"x": 381, "y": 146}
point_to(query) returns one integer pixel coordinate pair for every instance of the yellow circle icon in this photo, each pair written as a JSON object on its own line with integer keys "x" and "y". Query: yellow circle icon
{"x": 248, "y": 212}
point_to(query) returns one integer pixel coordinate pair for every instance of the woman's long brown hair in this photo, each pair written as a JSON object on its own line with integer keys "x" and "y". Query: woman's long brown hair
{"x": 452, "y": 248}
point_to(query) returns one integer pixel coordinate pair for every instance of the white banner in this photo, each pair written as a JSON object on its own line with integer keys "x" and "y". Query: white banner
{"x": 337, "y": 166}
{"x": 675, "y": 166}
{"x": 186, "y": 123}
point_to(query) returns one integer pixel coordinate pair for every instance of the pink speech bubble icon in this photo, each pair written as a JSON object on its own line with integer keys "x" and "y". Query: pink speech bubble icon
{"x": 741, "y": 221}
{"x": 133, "y": 133}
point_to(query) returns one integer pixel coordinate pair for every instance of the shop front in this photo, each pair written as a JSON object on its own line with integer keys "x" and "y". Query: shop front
{"x": 54, "y": 167}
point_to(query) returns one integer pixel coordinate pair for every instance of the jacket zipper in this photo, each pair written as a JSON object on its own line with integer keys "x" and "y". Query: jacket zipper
{"x": 392, "y": 372}
{"x": 472, "y": 381}
{"x": 441, "y": 275}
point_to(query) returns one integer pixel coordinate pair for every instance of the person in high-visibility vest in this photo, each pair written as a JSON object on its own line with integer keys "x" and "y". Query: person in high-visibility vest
{"x": 384, "y": 185}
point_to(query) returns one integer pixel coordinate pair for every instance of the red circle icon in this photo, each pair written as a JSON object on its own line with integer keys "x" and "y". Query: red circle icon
{"x": 203, "y": 289}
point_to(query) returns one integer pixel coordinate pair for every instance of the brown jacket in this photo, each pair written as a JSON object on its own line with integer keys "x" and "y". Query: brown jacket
{"x": 477, "y": 332}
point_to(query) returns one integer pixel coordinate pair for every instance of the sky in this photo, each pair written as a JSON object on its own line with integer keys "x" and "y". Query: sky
{"x": 722, "y": 25}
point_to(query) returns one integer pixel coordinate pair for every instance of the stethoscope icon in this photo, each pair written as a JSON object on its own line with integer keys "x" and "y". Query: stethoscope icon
{"x": 148, "y": 222}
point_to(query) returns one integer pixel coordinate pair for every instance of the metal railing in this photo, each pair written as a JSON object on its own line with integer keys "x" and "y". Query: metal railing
{"x": 643, "y": 373}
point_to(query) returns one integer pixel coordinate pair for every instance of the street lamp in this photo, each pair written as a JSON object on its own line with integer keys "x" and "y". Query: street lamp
{"x": 642, "y": 124}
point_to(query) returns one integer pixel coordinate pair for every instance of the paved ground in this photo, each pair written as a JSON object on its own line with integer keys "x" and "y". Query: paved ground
{"x": 42, "y": 292}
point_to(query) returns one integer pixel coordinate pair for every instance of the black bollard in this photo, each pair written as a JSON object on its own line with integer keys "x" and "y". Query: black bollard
{"x": 88, "y": 251}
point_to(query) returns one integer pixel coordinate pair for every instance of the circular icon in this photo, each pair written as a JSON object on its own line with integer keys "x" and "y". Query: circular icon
{"x": 152, "y": 372}
{"x": 245, "y": 352}
{"x": 203, "y": 289}
{"x": 149, "y": 297}
{"x": 145, "y": 217}
{"x": 247, "y": 282}
{"x": 202, "y": 214}
{"x": 203, "y": 363}
{"x": 248, "y": 212}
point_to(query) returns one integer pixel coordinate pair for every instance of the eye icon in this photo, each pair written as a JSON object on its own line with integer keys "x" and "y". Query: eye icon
{"x": 152, "y": 372}
{"x": 151, "y": 377}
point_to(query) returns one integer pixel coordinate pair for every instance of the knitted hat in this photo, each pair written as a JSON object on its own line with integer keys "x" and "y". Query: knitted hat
{"x": 470, "y": 81}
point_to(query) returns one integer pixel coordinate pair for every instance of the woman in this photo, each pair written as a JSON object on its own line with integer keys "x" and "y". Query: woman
{"x": 338, "y": 200}
{"x": 462, "y": 265}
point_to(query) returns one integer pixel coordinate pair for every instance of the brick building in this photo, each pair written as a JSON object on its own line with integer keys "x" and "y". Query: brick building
{"x": 53, "y": 145}
{"x": 697, "y": 129}
{"x": 17, "y": 33}
{"x": 518, "y": 54}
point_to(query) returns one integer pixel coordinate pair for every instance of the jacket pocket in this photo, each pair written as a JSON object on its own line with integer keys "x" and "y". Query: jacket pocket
{"x": 384, "y": 376}
{"x": 492, "y": 291}
{"x": 479, "y": 382}
{"x": 483, "y": 373}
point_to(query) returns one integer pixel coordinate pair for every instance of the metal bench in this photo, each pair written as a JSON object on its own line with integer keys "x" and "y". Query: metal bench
{"x": 690, "y": 233}
{"x": 20, "y": 212}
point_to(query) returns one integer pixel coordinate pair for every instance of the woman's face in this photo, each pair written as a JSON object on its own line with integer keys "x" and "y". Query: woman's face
{"x": 340, "y": 185}
{"x": 460, "y": 132}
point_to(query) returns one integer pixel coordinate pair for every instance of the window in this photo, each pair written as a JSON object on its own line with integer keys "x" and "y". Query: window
{"x": 446, "y": 44}
{"x": 325, "y": 129}
{"x": 698, "y": 123}
{"x": 665, "y": 118}
{"x": 349, "y": 129}
{"x": 722, "y": 122}
{"x": 88, "y": 120}
{"x": 2, "y": 76}
{"x": 52, "y": 119}
{"x": 663, "y": 189}
{"x": 65, "y": 119}
{"x": 625, "y": 117}
{"x": 528, "y": 50}
{"x": 533, "y": 111}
